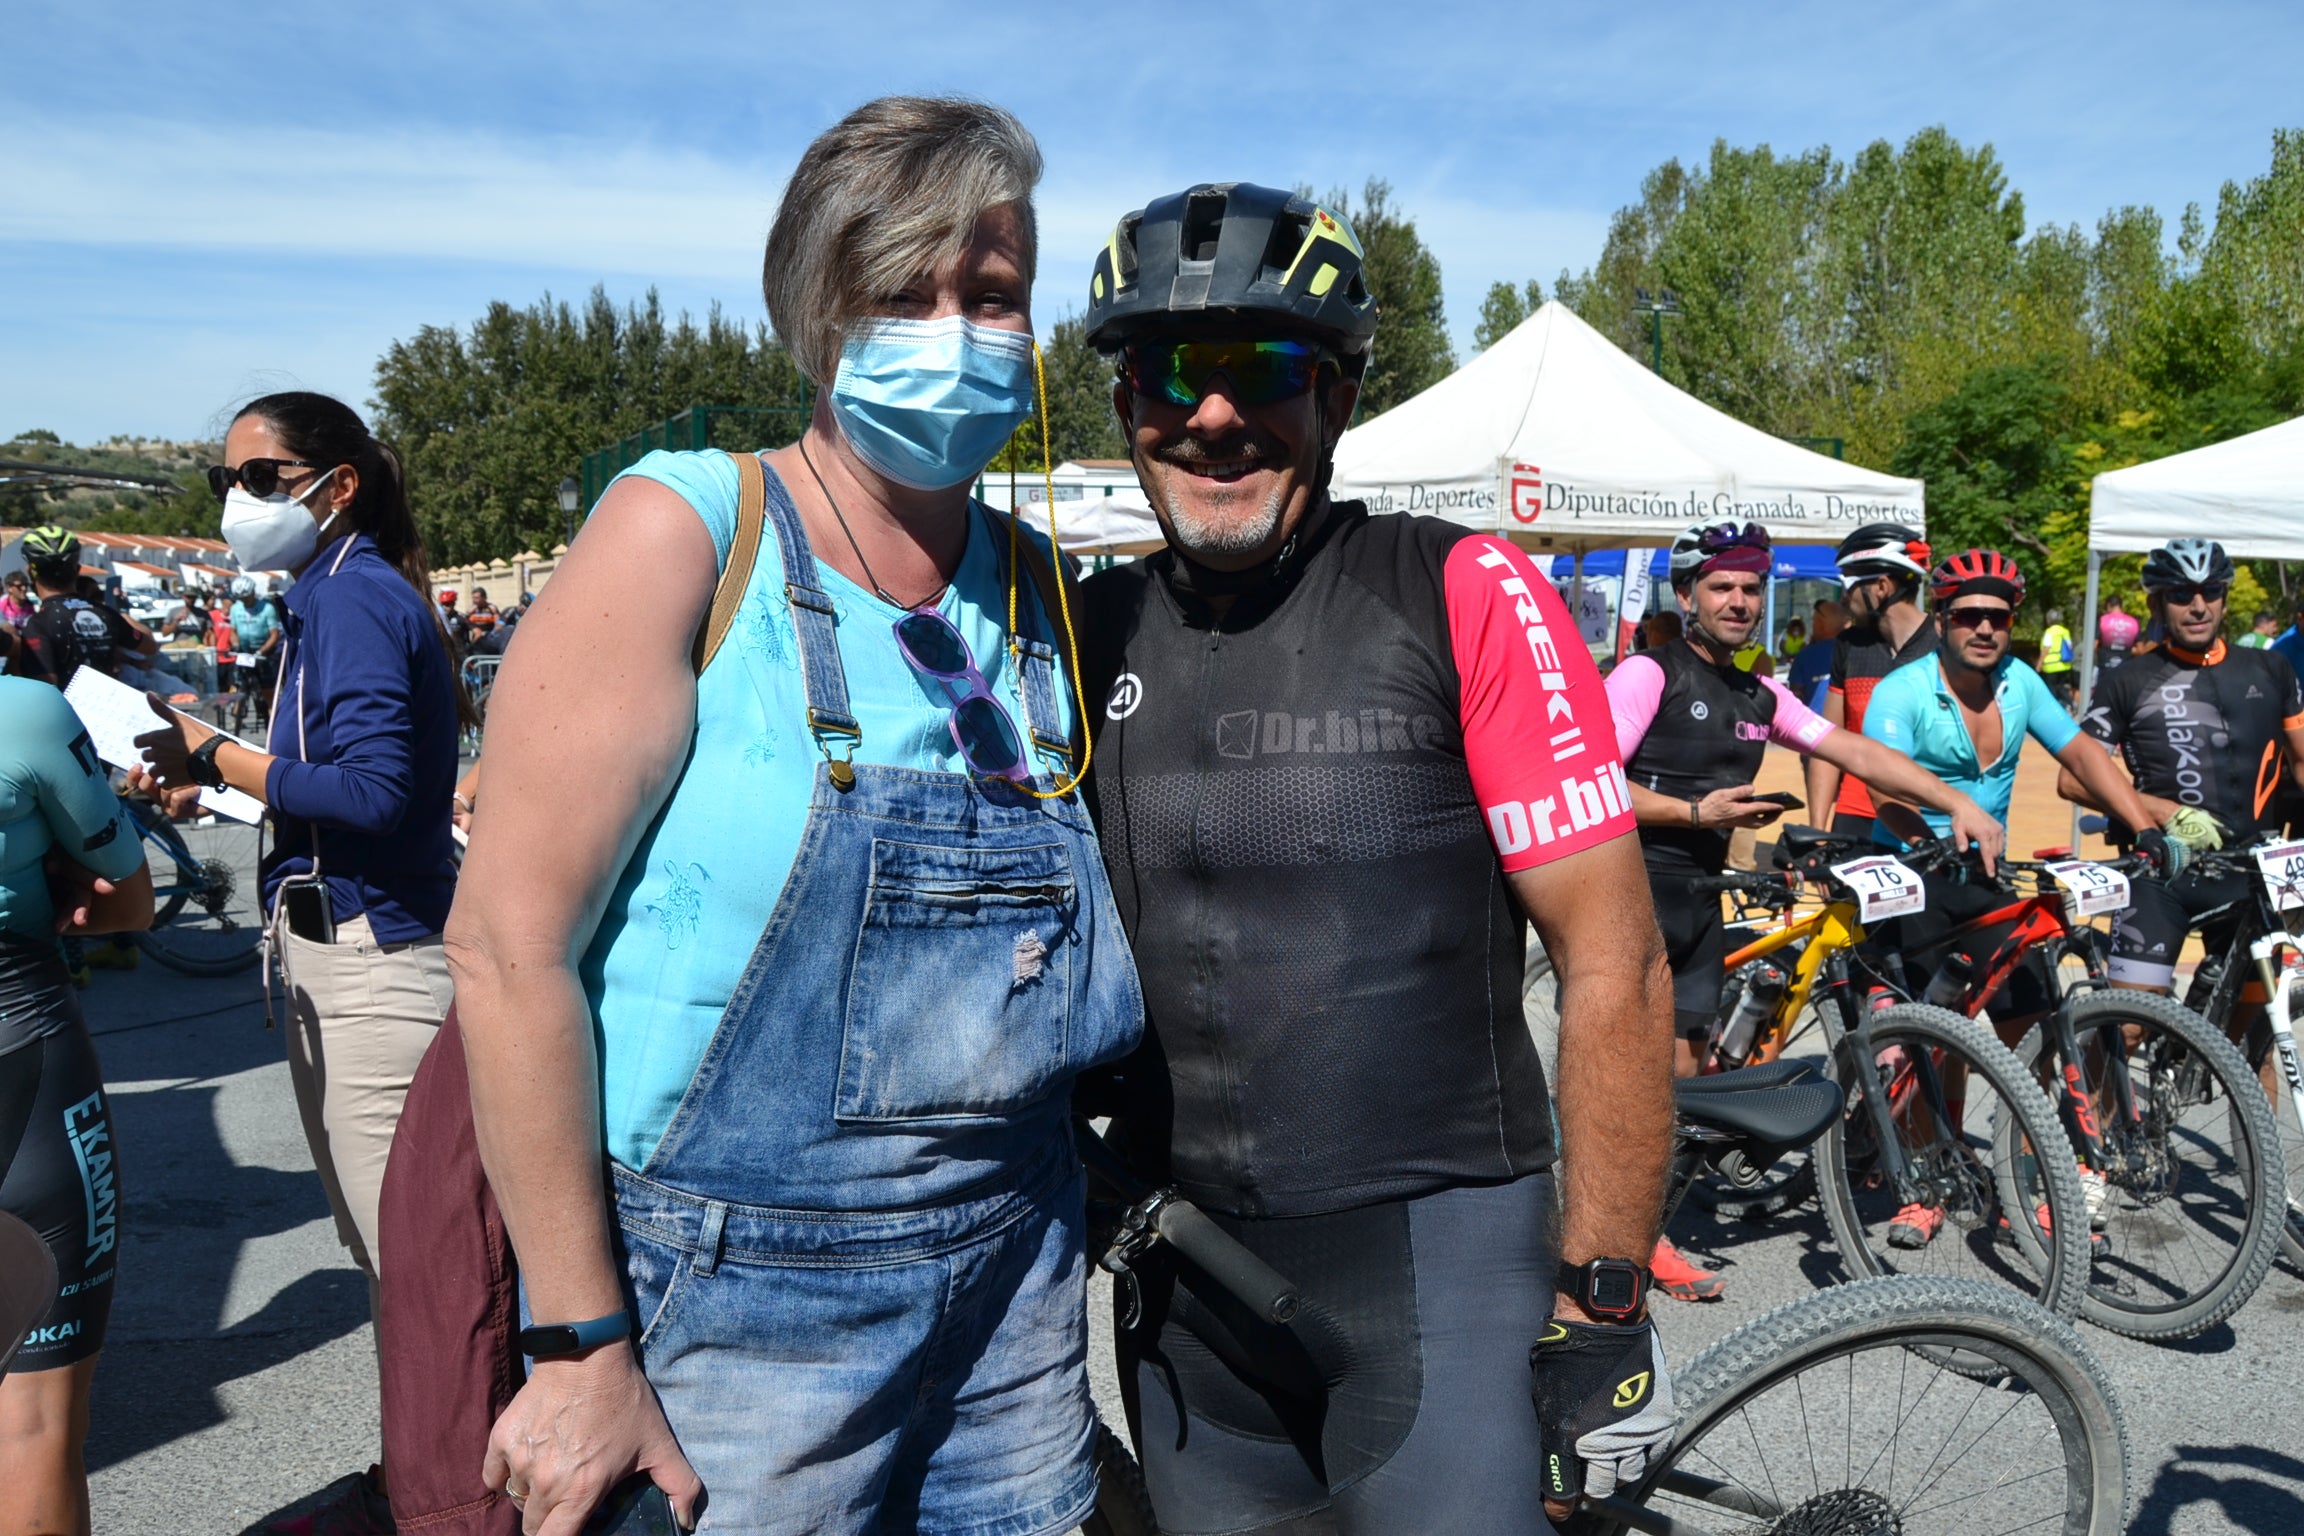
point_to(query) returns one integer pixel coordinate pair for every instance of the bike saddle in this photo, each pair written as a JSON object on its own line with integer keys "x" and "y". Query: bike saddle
{"x": 1788, "y": 1116}
{"x": 1768, "y": 1074}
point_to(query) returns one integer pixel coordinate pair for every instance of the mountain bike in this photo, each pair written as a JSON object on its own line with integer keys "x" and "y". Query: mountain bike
{"x": 207, "y": 910}
{"x": 1942, "y": 1132}
{"x": 2261, "y": 966}
{"x": 2176, "y": 1143}
{"x": 1904, "y": 1404}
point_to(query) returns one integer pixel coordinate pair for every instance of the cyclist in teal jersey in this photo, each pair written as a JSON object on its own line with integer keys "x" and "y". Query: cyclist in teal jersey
{"x": 56, "y": 1159}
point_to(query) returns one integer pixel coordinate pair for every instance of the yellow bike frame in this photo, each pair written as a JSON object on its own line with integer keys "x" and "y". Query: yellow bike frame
{"x": 1829, "y": 930}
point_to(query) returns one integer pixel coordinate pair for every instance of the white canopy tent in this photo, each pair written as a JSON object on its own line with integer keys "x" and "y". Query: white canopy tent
{"x": 2247, "y": 494}
{"x": 1557, "y": 439}
{"x": 1119, "y": 524}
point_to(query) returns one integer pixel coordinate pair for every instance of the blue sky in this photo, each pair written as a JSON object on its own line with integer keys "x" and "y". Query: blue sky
{"x": 198, "y": 202}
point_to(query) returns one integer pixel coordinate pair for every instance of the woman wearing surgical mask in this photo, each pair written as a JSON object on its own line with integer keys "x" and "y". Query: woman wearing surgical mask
{"x": 778, "y": 956}
{"x": 356, "y": 776}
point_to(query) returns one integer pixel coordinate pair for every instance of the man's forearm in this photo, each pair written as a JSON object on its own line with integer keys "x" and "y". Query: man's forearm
{"x": 1614, "y": 1099}
{"x": 1883, "y": 768}
{"x": 1823, "y": 789}
{"x": 1651, "y": 809}
{"x": 2107, "y": 786}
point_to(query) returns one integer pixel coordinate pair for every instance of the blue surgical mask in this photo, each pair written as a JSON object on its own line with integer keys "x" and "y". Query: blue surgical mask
{"x": 929, "y": 402}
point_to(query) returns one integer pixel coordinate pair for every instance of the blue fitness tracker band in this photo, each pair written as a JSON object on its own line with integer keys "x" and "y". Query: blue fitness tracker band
{"x": 547, "y": 1340}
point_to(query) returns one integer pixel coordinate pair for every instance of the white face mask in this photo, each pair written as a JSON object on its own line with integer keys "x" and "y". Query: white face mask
{"x": 273, "y": 533}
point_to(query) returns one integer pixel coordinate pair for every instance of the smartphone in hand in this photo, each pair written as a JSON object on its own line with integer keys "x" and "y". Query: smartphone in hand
{"x": 636, "y": 1507}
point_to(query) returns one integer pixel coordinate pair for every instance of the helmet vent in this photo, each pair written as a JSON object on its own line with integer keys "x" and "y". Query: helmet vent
{"x": 1289, "y": 232}
{"x": 1126, "y": 276}
{"x": 1203, "y": 225}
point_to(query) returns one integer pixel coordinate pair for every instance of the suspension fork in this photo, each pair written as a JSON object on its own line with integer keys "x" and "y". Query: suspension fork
{"x": 2279, "y": 988}
{"x": 1856, "y": 1040}
{"x": 2073, "y": 1104}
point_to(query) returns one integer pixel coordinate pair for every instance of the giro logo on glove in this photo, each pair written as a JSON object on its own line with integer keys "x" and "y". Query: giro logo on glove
{"x": 1604, "y": 1404}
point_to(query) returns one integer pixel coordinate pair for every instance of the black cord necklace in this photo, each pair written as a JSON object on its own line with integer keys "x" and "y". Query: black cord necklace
{"x": 885, "y": 595}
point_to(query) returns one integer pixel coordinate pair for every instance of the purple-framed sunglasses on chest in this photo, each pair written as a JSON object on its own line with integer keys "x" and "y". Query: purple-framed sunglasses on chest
{"x": 982, "y": 728}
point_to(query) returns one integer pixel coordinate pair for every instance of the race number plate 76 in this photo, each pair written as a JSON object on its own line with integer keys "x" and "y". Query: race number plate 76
{"x": 1884, "y": 888}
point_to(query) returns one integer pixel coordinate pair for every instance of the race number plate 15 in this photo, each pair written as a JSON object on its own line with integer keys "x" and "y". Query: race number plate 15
{"x": 2283, "y": 868}
{"x": 1883, "y": 887}
{"x": 2094, "y": 889}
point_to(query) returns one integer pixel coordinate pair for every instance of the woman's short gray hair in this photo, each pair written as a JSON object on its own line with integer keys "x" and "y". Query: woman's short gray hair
{"x": 892, "y": 190}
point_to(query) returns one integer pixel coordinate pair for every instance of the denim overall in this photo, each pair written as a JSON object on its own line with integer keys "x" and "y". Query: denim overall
{"x": 856, "y": 1253}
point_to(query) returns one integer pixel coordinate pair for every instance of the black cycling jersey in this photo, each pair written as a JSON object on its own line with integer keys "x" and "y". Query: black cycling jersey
{"x": 1710, "y": 732}
{"x": 68, "y": 633}
{"x": 2203, "y": 731}
{"x": 1330, "y": 954}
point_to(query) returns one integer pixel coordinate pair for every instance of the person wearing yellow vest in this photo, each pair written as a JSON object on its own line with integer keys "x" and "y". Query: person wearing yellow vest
{"x": 2056, "y": 660}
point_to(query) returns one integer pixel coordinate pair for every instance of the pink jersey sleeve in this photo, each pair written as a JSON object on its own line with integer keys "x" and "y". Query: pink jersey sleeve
{"x": 1635, "y": 688}
{"x": 1797, "y": 726}
{"x": 1538, "y": 735}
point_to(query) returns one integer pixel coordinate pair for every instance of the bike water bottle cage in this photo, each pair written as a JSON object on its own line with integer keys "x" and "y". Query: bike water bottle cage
{"x": 1613, "y": 1290}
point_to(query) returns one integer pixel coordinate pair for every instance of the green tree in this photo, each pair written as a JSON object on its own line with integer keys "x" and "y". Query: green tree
{"x": 1993, "y": 455}
{"x": 1080, "y": 420}
{"x": 1504, "y": 310}
{"x": 491, "y": 419}
{"x": 1412, "y": 351}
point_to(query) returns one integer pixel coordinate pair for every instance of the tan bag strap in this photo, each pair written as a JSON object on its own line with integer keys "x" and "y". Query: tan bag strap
{"x": 728, "y": 596}
{"x": 1045, "y": 575}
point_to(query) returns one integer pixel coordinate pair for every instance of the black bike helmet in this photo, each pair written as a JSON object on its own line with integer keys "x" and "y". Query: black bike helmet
{"x": 1232, "y": 251}
{"x": 50, "y": 547}
{"x": 2187, "y": 563}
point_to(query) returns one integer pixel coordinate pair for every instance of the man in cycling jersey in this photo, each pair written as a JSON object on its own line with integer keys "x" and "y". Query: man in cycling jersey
{"x": 1339, "y": 761}
{"x": 2210, "y": 734}
{"x": 1881, "y": 568}
{"x": 1692, "y": 728}
{"x": 67, "y": 632}
{"x": 1962, "y": 714}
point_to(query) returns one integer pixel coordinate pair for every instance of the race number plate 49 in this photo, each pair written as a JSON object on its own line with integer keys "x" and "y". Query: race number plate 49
{"x": 2094, "y": 888}
{"x": 1884, "y": 888}
{"x": 2283, "y": 867}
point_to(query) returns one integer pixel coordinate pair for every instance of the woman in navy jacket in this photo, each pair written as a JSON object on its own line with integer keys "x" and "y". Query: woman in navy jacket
{"x": 358, "y": 776}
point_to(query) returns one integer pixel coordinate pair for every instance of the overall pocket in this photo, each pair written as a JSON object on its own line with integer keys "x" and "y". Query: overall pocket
{"x": 960, "y": 994}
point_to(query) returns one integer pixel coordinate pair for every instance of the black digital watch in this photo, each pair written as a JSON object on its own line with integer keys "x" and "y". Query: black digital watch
{"x": 1612, "y": 1290}
{"x": 200, "y": 763}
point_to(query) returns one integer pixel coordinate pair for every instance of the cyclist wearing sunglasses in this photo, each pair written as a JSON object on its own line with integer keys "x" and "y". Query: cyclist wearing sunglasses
{"x": 1340, "y": 760}
{"x": 1693, "y": 728}
{"x": 2210, "y": 733}
{"x": 1963, "y": 714}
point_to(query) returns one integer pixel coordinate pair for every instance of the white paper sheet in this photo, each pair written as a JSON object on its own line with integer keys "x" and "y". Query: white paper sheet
{"x": 116, "y": 714}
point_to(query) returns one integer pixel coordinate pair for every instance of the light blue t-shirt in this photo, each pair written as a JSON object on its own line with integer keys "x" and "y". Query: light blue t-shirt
{"x": 1912, "y": 710}
{"x": 699, "y": 889}
{"x": 53, "y": 790}
{"x": 253, "y": 625}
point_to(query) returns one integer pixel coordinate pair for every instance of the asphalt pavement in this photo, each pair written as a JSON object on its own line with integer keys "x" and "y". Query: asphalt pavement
{"x": 240, "y": 1375}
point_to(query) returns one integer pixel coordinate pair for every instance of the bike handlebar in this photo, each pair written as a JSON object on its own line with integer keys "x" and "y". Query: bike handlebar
{"x": 1251, "y": 1281}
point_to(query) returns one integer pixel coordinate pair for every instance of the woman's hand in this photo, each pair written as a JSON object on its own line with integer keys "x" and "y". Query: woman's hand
{"x": 165, "y": 773}
{"x": 577, "y": 1429}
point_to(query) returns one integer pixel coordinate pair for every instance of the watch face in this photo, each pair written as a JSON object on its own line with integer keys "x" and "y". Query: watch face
{"x": 1612, "y": 1288}
{"x": 551, "y": 1339}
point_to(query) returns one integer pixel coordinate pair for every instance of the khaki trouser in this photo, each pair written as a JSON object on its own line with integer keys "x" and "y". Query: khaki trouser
{"x": 360, "y": 1017}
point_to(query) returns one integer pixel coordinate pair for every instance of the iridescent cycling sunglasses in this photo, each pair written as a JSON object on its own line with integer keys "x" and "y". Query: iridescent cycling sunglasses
{"x": 1259, "y": 372}
{"x": 981, "y": 727}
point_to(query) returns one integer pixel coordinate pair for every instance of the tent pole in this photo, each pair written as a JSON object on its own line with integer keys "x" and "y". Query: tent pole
{"x": 1768, "y": 620}
{"x": 2087, "y": 664}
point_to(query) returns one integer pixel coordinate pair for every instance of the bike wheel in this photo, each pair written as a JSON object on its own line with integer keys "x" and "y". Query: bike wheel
{"x": 1996, "y": 1170}
{"x": 2190, "y": 1213}
{"x": 1908, "y": 1405}
{"x": 207, "y": 912}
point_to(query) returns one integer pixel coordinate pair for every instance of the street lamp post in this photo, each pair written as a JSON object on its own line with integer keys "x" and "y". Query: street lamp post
{"x": 571, "y": 496}
{"x": 1655, "y": 306}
